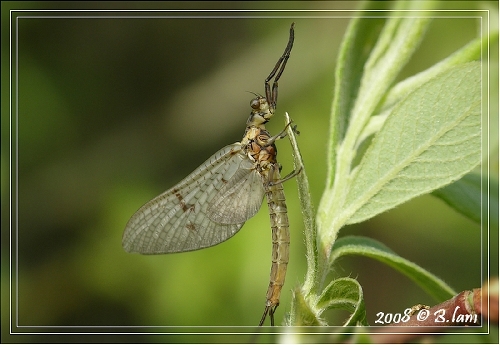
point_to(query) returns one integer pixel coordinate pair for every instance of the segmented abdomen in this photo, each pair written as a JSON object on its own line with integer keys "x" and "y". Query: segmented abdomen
{"x": 280, "y": 236}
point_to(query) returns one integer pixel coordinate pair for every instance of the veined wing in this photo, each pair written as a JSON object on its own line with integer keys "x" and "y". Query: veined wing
{"x": 239, "y": 199}
{"x": 178, "y": 220}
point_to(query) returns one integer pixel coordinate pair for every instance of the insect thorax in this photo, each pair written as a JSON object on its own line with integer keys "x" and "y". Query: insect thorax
{"x": 258, "y": 149}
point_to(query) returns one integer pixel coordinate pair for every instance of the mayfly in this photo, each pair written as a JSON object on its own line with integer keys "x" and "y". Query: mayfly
{"x": 212, "y": 203}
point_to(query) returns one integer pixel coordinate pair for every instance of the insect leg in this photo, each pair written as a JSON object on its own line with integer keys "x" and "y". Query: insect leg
{"x": 291, "y": 175}
{"x": 272, "y": 97}
{"x": 281, "y": 134}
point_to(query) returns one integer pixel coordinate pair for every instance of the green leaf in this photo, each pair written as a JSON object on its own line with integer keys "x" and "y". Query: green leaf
{"x": 347, "y": 294}
{"x": 464, "y": 196}
{"x": 358, "y": 245}
{"x": 355, "y": 100}
{"x": 301, "y": 313}
{"x": 431, "y": 138}
{"x": 359, "y": 39}
{"x": 468, "y": 53}
{"x": 490, "y": 203}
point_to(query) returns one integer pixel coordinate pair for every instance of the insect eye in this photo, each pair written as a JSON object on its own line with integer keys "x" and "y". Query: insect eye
{"x": 255, "y": 103}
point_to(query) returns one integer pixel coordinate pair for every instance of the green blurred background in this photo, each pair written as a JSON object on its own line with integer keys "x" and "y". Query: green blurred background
{"x": 115, "y": 110}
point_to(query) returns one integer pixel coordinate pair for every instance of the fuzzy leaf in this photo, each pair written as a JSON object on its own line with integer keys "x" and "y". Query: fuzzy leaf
{"x": 347, "y": 294}
{"x": 464, "y": 196}
{"x": 358, "y": 245}
{"x": 432, "y": 138}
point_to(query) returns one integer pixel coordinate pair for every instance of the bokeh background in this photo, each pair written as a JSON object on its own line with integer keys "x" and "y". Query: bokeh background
{"x": 116, "y": 107}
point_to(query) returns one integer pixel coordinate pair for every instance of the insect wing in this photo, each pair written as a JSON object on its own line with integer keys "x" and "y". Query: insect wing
{"x": 239, "y": 199}
{"x": 177, "y": 221}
